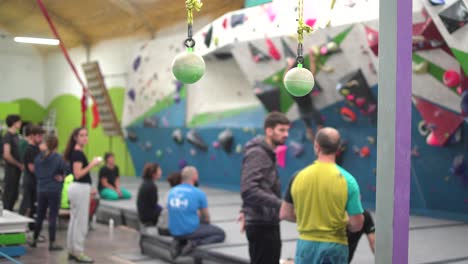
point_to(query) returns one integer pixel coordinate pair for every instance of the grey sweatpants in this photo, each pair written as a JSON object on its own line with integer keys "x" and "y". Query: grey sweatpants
{"x": 78, "y": 194}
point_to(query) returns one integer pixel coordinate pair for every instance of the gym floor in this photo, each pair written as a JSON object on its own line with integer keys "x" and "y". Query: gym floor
{"x": 432, "y": 241}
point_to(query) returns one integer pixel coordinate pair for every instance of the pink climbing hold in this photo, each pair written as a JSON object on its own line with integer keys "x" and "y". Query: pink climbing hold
{"x": 281, "y": 155}
{"x": 323, "y": 50}
{"x": 311, "y": 22}
{"x": 272, "y": 50}
{"x": 270, "y": 12}
{"x": 360, "y": 101}
{"x": 212, "y": 157}
{"x": 350, "y": 97}
{"x": 225, "y": 23}
{"x": 431, "y": 140}
{"x": 216, "y": 144}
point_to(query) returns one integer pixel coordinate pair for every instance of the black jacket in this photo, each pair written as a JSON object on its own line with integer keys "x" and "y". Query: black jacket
{"x": 147, "y": 203}
{"x": 260, "y": 185}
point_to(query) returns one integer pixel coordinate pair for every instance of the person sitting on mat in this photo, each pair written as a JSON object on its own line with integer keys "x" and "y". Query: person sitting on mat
{"x": 189, "y": 219}
{"x": 109, "y": 180}
{"x": 173, "y": 179}
{"x": 147, "y": 199}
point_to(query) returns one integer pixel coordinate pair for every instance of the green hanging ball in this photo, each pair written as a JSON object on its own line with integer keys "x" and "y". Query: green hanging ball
{"x": 299, "y": 81}
{"x": 188, "y": 67}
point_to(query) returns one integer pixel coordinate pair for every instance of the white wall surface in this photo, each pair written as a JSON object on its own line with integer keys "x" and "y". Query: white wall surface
{"x": 113, "y": 57}
{"x": 21, "y": 72}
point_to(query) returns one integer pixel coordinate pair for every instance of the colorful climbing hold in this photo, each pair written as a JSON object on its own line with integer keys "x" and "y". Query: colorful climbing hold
{"x": 364, "y": 152}
{"x": 451, "y": 78}
{"x": 136, "y": 63}
{"x": 159, "y": 153}
{"x": 347, "y": 114}
{"x": 182, "y": 163}
{"x": 239, "y": 148}
{"x": 193, "y": 152}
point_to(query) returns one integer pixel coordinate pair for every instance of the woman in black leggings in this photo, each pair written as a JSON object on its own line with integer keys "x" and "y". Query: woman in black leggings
{"x": 50, "y": 169}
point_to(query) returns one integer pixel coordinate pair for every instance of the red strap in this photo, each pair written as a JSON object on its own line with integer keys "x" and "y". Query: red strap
{"x": 67, "y": 57}
{"x": 62, "y": 46}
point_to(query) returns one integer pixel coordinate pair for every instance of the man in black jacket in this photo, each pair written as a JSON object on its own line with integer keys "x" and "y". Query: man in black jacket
{"x": 261, "y": 191}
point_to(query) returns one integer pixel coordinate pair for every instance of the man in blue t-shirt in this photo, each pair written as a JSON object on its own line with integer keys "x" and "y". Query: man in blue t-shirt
{"x": 189, "y": 219}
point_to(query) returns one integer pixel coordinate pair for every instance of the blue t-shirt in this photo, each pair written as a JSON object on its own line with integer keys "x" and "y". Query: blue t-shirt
{"x": 183, "y": 203}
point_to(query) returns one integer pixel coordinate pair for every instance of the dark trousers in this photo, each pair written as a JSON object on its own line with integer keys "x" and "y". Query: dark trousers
{"x": 11, "y": 187}
{"x": 46, "y": 200}
{"x": 28, "y": 204}
{"x": 264, "y": 243}
{"x": 205, "y": 234}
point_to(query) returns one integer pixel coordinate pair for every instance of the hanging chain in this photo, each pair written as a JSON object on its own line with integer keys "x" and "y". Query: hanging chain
{"x": 190, "y": 6}
{"x": 301, "y": 27}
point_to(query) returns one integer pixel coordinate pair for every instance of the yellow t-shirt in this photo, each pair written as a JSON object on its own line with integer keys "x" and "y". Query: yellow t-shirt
{"x": 322, "y": 193}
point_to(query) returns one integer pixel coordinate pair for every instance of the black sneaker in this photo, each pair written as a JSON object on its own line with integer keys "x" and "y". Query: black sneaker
{"x": 33, "y": 244}
{"x": 54, "y": 247}
{"x": 176, "y": 247}
{"x": 188, "y": 248}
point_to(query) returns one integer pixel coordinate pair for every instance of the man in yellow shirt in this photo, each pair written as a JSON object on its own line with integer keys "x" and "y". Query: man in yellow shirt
{"x": 323, "y": 199}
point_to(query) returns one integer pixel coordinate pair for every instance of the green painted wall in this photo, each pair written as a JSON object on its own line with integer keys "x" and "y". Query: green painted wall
{"x": 30, "y": 110}
{"x": 7, "y": 109}
{"x": 68, "y": 117}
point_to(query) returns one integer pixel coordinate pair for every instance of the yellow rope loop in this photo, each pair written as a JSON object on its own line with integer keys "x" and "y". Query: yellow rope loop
{"x": 302, "y": 27}
{"x": 191, "y": 5}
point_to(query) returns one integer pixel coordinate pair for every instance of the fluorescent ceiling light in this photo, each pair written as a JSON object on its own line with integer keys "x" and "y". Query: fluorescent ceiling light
{"x": 42, "y": 41}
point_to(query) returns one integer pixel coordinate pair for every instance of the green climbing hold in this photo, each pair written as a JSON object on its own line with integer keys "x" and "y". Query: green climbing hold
{"x": 188, "y": 67}
{"x": 159, "y": 153}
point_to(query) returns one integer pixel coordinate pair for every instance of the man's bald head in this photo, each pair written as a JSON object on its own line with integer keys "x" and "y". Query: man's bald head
{"x": 328, "y": 139}
{"x": 189, "y": 174}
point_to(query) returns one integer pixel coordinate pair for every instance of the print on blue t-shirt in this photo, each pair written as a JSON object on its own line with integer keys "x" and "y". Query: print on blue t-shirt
{"x": 183, "y": 204}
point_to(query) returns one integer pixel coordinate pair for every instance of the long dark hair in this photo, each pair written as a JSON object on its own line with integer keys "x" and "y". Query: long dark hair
{"x": 71, "y": 143}
{"x": 149, "y": 170}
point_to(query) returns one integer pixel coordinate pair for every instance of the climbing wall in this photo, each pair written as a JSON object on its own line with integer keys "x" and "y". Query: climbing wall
{"x": 243, "y": 82}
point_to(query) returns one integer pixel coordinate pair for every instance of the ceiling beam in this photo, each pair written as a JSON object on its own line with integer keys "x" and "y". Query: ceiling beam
{"x": 135, "y": 12}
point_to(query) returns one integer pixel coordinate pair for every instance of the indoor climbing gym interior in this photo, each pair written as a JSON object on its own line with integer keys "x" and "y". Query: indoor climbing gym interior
{"x": 234, "y": 131}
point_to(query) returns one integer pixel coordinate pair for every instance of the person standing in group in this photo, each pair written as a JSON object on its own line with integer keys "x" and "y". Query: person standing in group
{"x": 261, "y": 191}
{"x": 13, "y": 164}
{"x": 353, "y": 237}
{"x": 34, "y": 135}
{"x": 323, "y": 199}
{"x": 78, "y": 194}
{"x": 50, "y": 169}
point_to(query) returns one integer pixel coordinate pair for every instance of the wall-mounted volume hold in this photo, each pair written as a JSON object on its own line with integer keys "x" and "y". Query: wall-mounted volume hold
{"x": 226, "y": 140}
{"x": 195, "y": 139}
{"x": 177, "y": 136}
